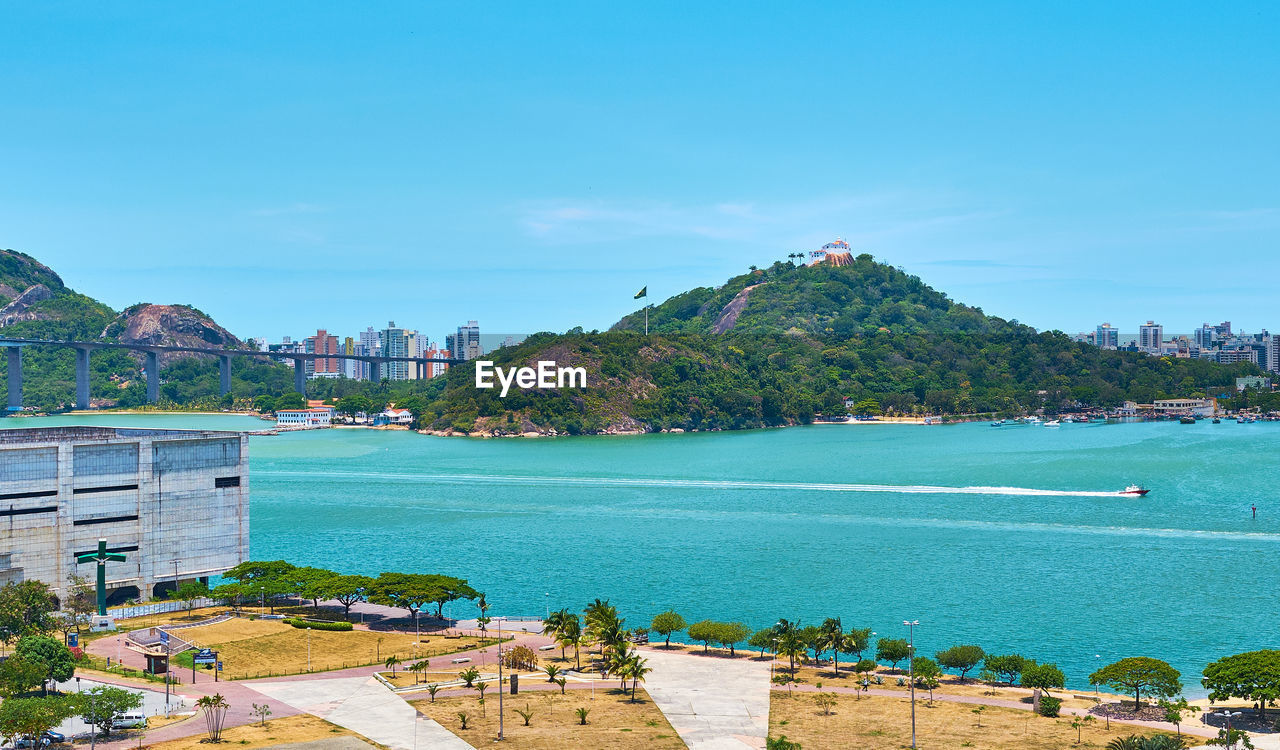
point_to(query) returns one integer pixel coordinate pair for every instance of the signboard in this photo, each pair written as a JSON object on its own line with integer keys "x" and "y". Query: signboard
{"x": 219, "y": 666}
{"x": 164, "y": 638}
{"x": 73, "y": 640}
{"x": 204, "y": 656}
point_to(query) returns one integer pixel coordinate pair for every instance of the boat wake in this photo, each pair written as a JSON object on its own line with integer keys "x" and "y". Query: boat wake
{"x": 708, "y": 484}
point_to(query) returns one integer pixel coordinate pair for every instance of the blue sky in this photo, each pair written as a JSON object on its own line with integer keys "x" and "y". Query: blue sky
{"x": 531, "y": 165}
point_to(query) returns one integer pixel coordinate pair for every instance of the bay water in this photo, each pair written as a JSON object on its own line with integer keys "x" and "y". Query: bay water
{"x": 1012, "y": 538}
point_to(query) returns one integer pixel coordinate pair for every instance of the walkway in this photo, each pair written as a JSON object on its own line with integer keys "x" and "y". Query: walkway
{"x": 365, "y": 706}
{"x": 713, "y": 703}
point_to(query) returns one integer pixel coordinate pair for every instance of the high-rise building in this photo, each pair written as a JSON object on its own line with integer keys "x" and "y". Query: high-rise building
{"x": 395, "y": 343}
{"x": 1107, "y": 337}
{"x": 465, "y": 344}
{"x": 322, "y": 343}
{"x": 1150, "y": 337}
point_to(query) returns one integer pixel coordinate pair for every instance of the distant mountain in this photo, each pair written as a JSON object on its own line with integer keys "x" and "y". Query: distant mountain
{"x": 780, "y": 345}
{"x": 37, "y": 304}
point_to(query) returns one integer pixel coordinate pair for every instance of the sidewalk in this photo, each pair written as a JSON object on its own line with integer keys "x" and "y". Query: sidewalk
{"x": 712, "y": 703}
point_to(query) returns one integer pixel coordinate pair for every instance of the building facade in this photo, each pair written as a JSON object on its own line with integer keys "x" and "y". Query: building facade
{"x": 1106, "y": 337}
{"x": 174, "y": 502}
{"x": 395, "y": 343}
{"x": 465, "y": 344}
{"x": 1150, "y": 337}
{"x": 317, "y": 417}
{"x": 322, "y": 343}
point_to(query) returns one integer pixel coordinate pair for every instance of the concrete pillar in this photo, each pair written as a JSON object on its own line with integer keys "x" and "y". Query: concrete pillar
{"x": 153, "y": 377}
{"x": 15, "y": 378}
{"x": 82, "y": 378}
{"x": 375, "y": 370}
{"x": 299, "y": 377}
{"x": 224, "y": 375}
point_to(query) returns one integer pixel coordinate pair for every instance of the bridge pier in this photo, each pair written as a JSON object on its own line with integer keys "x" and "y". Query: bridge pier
{"x": 82, "y": 378}
{"x": 299, "y": 377}
{"x": 224, "y": 375}
{"x": 15, "y": 378}
{"x": 153, "y": 377}
{"x": 375, "y": 370}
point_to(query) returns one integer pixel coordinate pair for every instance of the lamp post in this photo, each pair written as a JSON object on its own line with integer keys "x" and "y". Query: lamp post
{"x": 1097, "y": 697}
{"x": 774, "y": 660}
{"x": 911, "y": 671}
{"x": 499, "y": 619}
{"x": 308, "y": 649}
{"x": 546, "y": 598}
{"x": 1228, "y": 716}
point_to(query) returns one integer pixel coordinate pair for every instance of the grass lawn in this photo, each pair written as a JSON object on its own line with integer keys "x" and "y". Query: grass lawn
{"x": 875, "y": 723}
{"x": 301, "y": 728}
{"x": 252, "y": 648}
{"x": 613, "y": 722}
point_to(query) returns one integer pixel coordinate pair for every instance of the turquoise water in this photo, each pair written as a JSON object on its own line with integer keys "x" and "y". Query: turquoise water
{"x": 811, "y": 522}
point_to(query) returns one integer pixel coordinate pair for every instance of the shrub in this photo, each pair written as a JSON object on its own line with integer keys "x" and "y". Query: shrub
{"x": 298, "y": 622}
{"x": 1049, "y": 706}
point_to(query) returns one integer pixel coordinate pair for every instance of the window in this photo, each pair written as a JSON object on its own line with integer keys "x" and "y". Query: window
{"x": 226, "y": 482}
{"x": 109, "y": 519}
{"x": 112, "y": 488}
{"x": 118, "y": 458}
{"x": 26, "y": 464}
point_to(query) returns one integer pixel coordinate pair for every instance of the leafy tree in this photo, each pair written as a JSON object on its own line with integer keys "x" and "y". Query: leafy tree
{"x": 730, "y": 633}
{"x": 310, "y": 583}
{"x": 705, "y": 631}
{"x": 52, "y": 656}
{"x": 666, "y": 623}
{"x": 102, "y": 705}
{"x": 1043, "y": 676}
{"x": 30, "y": 718}
{"x": 961, "y": 658}
{"x": 1007, "y": 666}
{"x": 189, "y": 592}
{"x": 1252, "y": 675}
{"x": 19, "y": 676}
{"x": 1138, "y": 673}
{"x": 1176, "y": 711}
{"x": 346, "y": 590}
{"x": 761, "y": 639}
{"x": 25, "y": 609}
{"x": 856, "y": 640}
{"x": 263, "y": 579}
{"x": 81, "y": 602}
{"x": 926, "y": 673}
{"x": 892, "y": 650}
{"x": 413, "y": 591}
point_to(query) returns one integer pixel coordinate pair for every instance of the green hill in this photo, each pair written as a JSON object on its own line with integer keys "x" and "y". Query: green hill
{"x": 797, "y": 344}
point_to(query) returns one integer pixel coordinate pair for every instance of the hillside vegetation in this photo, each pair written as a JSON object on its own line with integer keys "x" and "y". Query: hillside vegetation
{"x": 805, "y": 339}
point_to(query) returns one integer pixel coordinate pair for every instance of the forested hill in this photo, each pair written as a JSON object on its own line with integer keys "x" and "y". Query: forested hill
{"x": 776, "y": 346}
{"x": 843, "y": 297}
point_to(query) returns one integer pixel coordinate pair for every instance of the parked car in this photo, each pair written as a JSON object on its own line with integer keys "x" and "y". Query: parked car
{"x": 46, "y": 739}
{"x": 130, "y": 721}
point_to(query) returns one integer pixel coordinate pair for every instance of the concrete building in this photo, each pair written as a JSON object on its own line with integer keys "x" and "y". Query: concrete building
{"x": 395, "y": 343}
{"x": 1150, "y": 337}
{"x": 465, "y": 344}
{"x": 174, "y": 502}
{"x": 322, "y": 343}
{"x": 1106, "y": 337}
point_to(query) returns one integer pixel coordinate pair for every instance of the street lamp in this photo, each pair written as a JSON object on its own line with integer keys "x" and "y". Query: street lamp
{"x": 308, "y": 649}
{"x": 911, "y": 667}
{"x": 1228, "y": 715}
{"x": 546, "y": 598}
{"x": 499, "y": 619}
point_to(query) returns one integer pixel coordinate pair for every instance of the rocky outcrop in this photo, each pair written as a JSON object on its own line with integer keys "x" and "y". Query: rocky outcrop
{"x": 21, "y": 310}
{"x": 729, "y": 315}
{"x": 169, "y": 325}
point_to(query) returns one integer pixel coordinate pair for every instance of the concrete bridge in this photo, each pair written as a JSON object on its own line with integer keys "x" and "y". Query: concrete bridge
{"x": 152, "y": 368}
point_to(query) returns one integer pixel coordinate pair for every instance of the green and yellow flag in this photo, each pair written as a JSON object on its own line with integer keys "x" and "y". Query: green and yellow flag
{"x": 642, "y": 293}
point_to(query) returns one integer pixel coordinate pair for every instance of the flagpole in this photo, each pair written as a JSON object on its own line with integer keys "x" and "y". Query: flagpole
{"x": 646, "y": 320}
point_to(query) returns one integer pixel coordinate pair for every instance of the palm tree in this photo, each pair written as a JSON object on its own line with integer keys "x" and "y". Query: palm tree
{"x": 637, "y": 668}
{"x": 833, "y": 638}
{"x": 552, "y": 672}
{"x": 391, "y": 663}
{"x": 572, "y": 635}
{"x": 557, "y": 624}
{"x": 418, "y": 667}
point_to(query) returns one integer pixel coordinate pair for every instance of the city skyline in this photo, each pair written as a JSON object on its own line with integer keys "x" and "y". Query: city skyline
{"x": 1056, "y": 166}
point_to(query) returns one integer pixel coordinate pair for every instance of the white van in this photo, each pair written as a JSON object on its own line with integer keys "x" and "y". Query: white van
{"x": 130, "y": 721}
